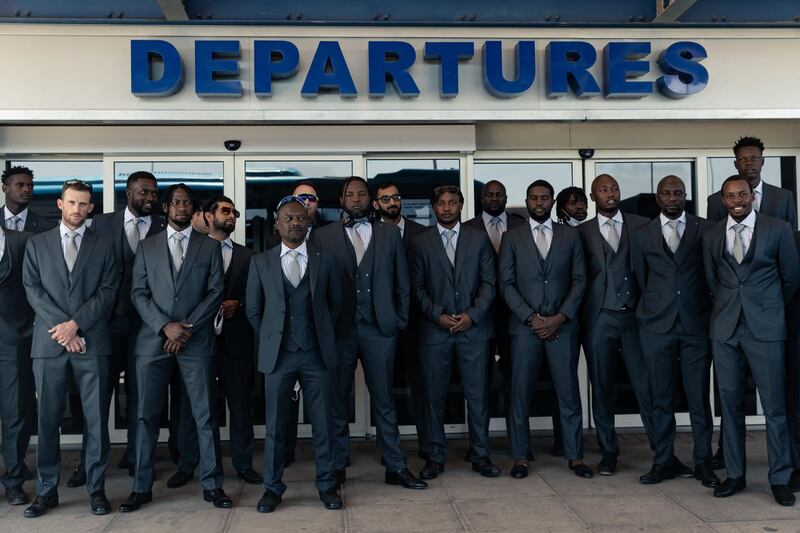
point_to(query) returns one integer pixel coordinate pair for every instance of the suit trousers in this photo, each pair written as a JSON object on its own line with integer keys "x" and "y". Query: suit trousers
{"x": 666, "y": 356}
{"x": 12, "y": 413}
{"x": 53, "y": 376}
{"x": 28, "y": 391}
{"x": 122, "y": 360}
{"x": 376, "y": 353}
{"x": 793, "y": 395}
{"x": 236, "y": 380}
{"x": 612, "y": 333}
{"x": 527, "y": 353}
{"x": 408, "y": 351}
{"x": 317, "y": 384}
{"x": 766, "y": 361}
{"x": 437, "y": 360}
{"x": 197, "y": 373}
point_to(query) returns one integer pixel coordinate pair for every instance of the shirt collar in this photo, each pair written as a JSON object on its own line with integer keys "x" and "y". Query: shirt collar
{"x": 172, "y": 231}
{"x": 749, "y": 221}
{"x": 665, "y": 220}
{"x": 302, "y": 249}
{"x": 547, "y": 224}
{"x": 131, "y": 216}
{"x": 22, "y": 214}
{"x": 64, "y": 230}
{"x": 603, "y": 219}
{"x": 402, "y": 224}
{"x": 487, "y": 218}
{"x": 441, "y": 229}
{"x": 759, "y": 188}
{"x": 227, "y": 242}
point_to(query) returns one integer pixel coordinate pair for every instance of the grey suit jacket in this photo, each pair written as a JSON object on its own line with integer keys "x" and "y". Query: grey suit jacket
{"x": 86, "y": 296}
{"x": 531, "y": 286}
{"x": 111, "y": 226}
{"x": 776, "y": 203}
{"x": 771, "y": 279}
{"x": 16, "y": 323}
{"x": 193, "y": 296}
{"x": 266, "y": 303}
{"x": 595, "y": 262}
{"x": 671, "y": 285}
{"x": 467, "y": 288}
{"x": 391, "y": 290}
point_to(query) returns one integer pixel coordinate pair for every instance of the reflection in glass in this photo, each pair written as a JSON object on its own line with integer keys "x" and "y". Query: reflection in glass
{"x": 204, "y": 177}
{"x": 720, "y": 168}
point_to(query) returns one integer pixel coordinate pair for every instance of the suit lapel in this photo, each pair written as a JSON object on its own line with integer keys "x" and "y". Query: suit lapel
{"x": 189, "y": 257}
{"x": 530, "y": 246}
{"x": 346, "y": 247}
{"x": 57, "y": 255}
{"x": 438, "y": 250}
{"x": 313, "y": 267}
{"x": 768, "y": 198}
{"x": 555, "y": 245}
{"x": 12, "y": 244}
{"x": 596, "y": 240}
{"x": 157, "y": 225}
{"x": 761, "y": 238}
{"x": 86, "y": 250}
{"x": 274, "y": 268}
{"x": 462, "y": 251}
{"x": 689, "y": 234}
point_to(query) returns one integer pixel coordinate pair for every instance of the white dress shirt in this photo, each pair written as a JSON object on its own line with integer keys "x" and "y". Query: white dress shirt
{"x": 2, "y": 243}
{"x": 8, "y": 215}
{"x": 227, "y": 253}
{"x": 666, "y": 231}
{"x": 758, "y": 195}
{"x": 402, "y": 226}
{"x": 364, "y": 230}
{"x": 302, "y": 258}
{"x": 747, "y": 232}
{"x": 502, "y": 225}
{"x": 548, "y": 231}
{"x": 185, "y": 243}
{"x": 604, "y": 229}
{"x": 143, "y": 226}
{"x": 441, "y": 229}
{"x": 63, "y": 230}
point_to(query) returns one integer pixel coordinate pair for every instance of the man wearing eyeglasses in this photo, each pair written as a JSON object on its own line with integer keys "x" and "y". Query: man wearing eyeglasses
{"x": 495, "y": 220}
{"x": 71, "y": 278}
{"x": 235, "y": 335}
{"x": 374, "y": 277}
{"x": 177, "y": 288}
{"x": 125, "y": 228}
{"x": 388, "y": 203}
{"x": 769, "y": 200}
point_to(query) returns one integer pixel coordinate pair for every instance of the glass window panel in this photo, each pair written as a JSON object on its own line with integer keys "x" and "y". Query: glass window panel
{"x": 517, "y": 176}
{"x": 638, "y": 181}
{"x": 416, "y": 179}
{"x": 49, "y": 176}
{"x": 267, "y": 182}
{"x": 720, "y": 168}
{"x": 205, "y": 178}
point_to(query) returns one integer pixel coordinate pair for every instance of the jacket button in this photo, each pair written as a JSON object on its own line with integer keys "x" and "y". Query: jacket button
{"x": 679, "y": 292}
{"x": 545, "y": 281}
{"x": 176, "y": 299}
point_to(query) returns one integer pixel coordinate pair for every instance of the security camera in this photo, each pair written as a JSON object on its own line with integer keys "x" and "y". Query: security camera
{"x": 586, "y": 153}
{"x": 233, "y": 145}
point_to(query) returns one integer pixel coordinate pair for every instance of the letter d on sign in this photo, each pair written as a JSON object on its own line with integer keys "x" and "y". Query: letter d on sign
{"x": 143, "y": 55}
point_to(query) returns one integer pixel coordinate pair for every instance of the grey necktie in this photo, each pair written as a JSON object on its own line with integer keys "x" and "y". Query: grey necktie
{"x": 294, "y": 268}
{"x": 541, "y": 240}
{"x": 613, "y": 236}
{"x": 71, "y": 250}
{"x": 494, "y": 233}
{"x": 15, "y": 223}
{"x": 738, "y": 251}
{"x": 449, "y": 247}
{"x": 358, "y": 243}
{"x": 177, "y": 251}
{"x": 674, "y": 237}
{"x": 132, "y": 232}
{"x": 757, "y": 201}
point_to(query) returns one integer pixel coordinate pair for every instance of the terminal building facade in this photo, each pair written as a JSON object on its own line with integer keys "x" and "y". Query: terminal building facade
{"x": 228, "y": 98}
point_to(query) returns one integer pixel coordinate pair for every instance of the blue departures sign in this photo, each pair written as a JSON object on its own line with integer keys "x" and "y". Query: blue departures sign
{"x": 157, "y": 68}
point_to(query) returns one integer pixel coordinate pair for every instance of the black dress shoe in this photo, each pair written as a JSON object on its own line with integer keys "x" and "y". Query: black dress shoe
{"x": 179, "y": 479}
{"x": 431, "y": 470}
{"x": 657, "y": 474}
{"x": 783, "y": 495}
{"x": 520, "y": 470}
{"x": 268, "y": 502}
{"x": 581, "y": 470}
{"x": 470, "y": 456}
{"x": 557, "y": 449}
{"x": 123, "y": 461}
{"x": 405, "y": 478}
{"x": 681, "y": 470}
{"x": 794, "y": 481}
{"x": 40, "y": 506}
{"x": 718, "y": 461}
{"x": 607, "y": 465}
{"x": 135, "y": 501}
{"x": 330, "y": 499}
{"x": 16, "y": 496}
{"x": 706, "y": 475}
{"x": 250, "y": 476}
{"x": 99, "y": 503}
{"x": 78, "y": 477}
{"x": 218, "y": 498}
{"x": 485, "y": 467}
{"x": 729, "y": 487}
{"x": 340, "y": 477}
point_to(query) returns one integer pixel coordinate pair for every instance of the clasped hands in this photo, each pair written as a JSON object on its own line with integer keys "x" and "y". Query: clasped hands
{"x": 455, "y": 323}
{"x": 177, "y": 334}
{"x": 545, "y": 327}
{"x": 66, "y": 334}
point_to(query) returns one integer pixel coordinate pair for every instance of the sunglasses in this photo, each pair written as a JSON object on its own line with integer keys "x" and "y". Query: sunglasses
{"x": 228, "y": 210}
{"x": 386, "y": 198}
{"x": 306, "y": 197}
